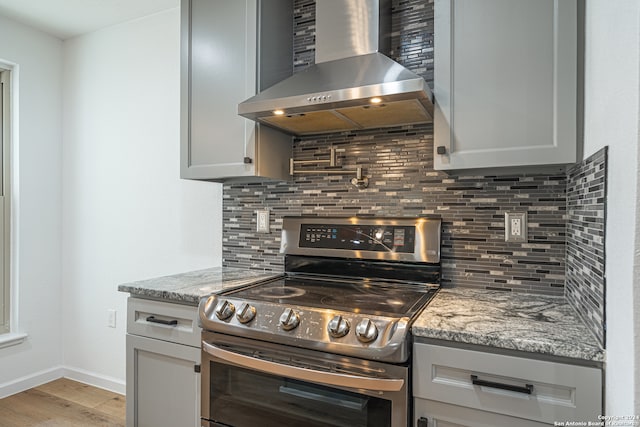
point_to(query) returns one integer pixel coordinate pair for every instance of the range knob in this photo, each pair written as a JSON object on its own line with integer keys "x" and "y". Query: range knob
{"x": 224, "y": 310}
{"x": 289, "y": 319}
{"x": 246, "y": 313}
{"x": 338, "y": 327}
{"x": 366, "y": 331}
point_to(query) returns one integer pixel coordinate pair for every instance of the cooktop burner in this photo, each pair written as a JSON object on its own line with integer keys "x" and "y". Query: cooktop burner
{"x": 276, "y": 292}
{"x": 364, "y": 297}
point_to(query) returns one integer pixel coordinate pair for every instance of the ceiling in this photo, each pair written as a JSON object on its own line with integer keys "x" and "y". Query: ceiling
{"x": 69, "y": 18}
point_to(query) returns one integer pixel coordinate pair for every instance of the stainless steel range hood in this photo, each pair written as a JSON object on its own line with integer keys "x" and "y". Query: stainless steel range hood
{"x": 352, "y": 85}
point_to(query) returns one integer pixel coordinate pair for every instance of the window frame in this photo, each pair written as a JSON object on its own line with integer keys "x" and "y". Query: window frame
{"x": 5, "y": 198}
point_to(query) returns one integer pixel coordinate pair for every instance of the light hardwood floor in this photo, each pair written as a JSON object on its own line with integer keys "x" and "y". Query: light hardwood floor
{"x": 63, "y": 403}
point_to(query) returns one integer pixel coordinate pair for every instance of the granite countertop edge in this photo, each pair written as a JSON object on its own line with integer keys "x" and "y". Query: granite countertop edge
{"x": 526, "y": 346}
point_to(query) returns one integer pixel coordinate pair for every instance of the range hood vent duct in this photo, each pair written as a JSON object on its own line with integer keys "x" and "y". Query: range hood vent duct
{"x": 352, "y": 85}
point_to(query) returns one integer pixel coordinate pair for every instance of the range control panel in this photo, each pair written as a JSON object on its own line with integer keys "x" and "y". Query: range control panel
{"x": 374, "y": 238}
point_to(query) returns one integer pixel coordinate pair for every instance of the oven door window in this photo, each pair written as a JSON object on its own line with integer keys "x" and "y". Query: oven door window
{"x": 240, "y": 397}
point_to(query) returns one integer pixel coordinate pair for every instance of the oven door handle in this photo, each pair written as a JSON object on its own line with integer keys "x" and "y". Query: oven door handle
{"x": 318, "y": 377}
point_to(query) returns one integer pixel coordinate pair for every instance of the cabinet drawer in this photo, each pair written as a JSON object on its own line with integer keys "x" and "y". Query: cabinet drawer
{"x": 164, "y": 321}
{"x": 558, "y": 392}
{"x": 441, "y": 414}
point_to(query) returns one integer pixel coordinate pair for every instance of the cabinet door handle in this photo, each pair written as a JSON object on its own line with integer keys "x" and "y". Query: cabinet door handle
{"x": 527, "y": 389}
{"x": 153, "y": 319}
{"x": 441, "y": 149}
{"x": 423, "y": 422}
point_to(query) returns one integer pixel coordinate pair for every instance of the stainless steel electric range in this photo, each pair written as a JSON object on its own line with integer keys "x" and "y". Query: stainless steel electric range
{"x": 328, "y": 343}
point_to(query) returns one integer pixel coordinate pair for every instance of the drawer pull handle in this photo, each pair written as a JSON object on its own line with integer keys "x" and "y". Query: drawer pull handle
{"x": 527, "y": 389}
{"x": 153, "y": 319}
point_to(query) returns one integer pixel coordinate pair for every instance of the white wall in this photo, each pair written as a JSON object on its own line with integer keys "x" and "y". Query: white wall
{"x": 126, "y": 214}
{"x": 36, "y": 202}
{"x": 611, "y": 118}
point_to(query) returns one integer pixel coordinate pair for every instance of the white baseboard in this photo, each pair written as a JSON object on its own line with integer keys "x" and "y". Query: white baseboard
{"x": 29, "y": 381}
{"x": 34, "y": 380}
{"x": 91, "y": 378}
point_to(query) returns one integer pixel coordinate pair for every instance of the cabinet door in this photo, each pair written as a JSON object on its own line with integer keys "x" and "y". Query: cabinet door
{"x": 163, "y": 389}
{"x": 218, "y": 49}
{"x": 505, "y": 83}
{"x": 440, "y": 414}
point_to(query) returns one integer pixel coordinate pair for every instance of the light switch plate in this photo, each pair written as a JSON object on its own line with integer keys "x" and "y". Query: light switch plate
{"x": 262, "y": 221}
{"x": 515, "y": 227}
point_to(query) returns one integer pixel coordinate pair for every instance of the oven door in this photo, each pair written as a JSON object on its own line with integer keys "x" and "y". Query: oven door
{"x": 250, "y": 383}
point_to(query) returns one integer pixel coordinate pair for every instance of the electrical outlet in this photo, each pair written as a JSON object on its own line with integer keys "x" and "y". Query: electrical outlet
{"x": 111, "y": 318}
{"x": 515, "y": 227}
{"x": 262, "y": 221}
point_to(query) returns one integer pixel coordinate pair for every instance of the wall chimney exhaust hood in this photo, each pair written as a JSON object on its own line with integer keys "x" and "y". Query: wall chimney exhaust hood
{"x": 352, "y": 84}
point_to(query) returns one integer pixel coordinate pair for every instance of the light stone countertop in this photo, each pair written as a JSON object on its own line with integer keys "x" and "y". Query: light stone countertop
{"x": 515, "y": 321}
{"x": 189, "y": 288}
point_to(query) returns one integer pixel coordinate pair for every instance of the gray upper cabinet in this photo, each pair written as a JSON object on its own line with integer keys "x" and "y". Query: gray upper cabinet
{"x": 505, "y": 83}
{"x": 230, "y": 50}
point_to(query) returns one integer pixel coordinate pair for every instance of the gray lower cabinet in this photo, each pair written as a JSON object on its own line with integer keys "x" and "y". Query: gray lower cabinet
{"x": 163, "y": 361}
{"x": 230, "y": 50}
{"x": 438, "y": 414}
{"x": 461, "y": 387}
{"x": 505, "y": 84}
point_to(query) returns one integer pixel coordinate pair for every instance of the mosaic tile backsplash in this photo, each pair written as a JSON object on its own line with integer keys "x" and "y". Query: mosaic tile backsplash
{"x": 304, "y": 34}
{"x": 586, "y": 211}
{"x": 399, "y": 163}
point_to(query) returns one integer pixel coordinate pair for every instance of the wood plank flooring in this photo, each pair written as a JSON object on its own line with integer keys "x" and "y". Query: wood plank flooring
{"x": 63, "y": 403}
